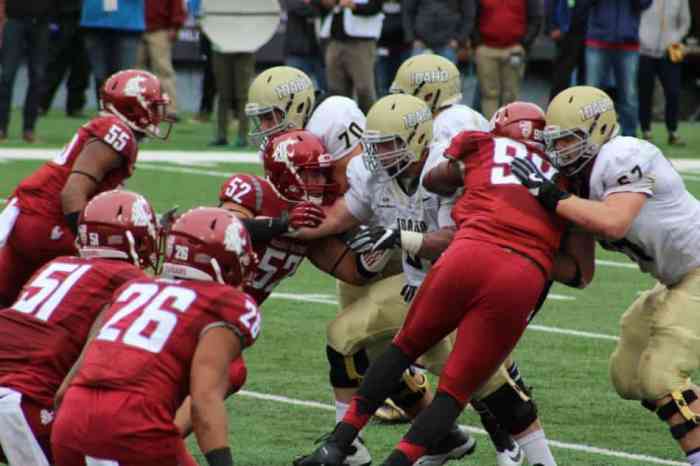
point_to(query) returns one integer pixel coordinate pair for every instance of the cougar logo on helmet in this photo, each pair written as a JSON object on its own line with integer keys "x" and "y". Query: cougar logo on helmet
{"x": 234, "y": 239}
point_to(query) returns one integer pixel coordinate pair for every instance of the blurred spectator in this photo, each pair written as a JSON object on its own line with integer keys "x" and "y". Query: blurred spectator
{"x": 164, "y": 18}
{"x": 233, "y": 73}
{"x": 392, "y": 47}
{"x": 662, "y": 28}
{"x": 2, "y": 19}
{"x": 208, "y": 88}
{"x": 26, "y": 35}
{"x": 67, "y": 55}
{"x": 504, "y": 31}
{"x": 612, "y": 45}
{"x": 437, "y": 25}
{"x": 113, "y": 31}
{"x": 301, "y": 44}
{"x": 353, "y": 29}
{"x": 568, "y": 20}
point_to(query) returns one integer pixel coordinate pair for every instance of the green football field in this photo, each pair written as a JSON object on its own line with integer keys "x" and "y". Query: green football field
{"x": 287, "y": 403}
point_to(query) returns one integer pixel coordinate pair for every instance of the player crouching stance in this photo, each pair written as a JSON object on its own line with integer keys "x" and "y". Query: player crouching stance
{"x": 164, "y": 338}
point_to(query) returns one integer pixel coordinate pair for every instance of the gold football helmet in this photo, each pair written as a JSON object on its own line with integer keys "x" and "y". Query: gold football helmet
{"x": 279, "y": 98}
{"x": 430, "y": 77}
{"x": 580, "y": 120}
{"x": 399, "y": 129}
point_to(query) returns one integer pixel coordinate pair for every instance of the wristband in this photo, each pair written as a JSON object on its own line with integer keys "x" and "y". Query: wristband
{"x": 219, "y": 457}
{"x": 265, "y": 229}
{"x": 72, "y": 221}
{"x": 411, "y": 241}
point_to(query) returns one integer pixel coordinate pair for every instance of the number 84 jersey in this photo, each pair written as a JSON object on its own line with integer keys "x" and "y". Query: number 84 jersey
{"x": 278, "y": 258}
{"x": 663, "y": 240}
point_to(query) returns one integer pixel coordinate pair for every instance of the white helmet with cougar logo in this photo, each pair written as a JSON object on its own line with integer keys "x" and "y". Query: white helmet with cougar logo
{"x": 580, "y": 120}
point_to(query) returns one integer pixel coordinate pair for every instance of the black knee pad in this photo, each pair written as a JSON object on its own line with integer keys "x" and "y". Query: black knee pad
{"x": 347, "y": 371}
{"x": 678, "y": 404}
{"x": 512, "y": 407}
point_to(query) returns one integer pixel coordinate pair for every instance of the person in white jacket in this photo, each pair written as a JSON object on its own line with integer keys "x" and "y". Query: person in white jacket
{"x": 662, "y": 27}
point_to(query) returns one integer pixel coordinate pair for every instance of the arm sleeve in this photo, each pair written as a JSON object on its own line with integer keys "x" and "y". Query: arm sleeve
{"x": 630, "y": 171}
{"x": 535, "y": 14}
{"x": 372, "y": 7}
{"x": 357, "y": 196}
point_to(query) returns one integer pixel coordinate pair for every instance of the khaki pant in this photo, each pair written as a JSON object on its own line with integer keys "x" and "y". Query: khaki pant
{"x": 371, "y": 315}
{"x": 499, "y": 80}
{"x": 155, "y": 54}
{"x": 233, "y": 73}
{"x": 350, "y": 67}
{"x": 659, "y": 344}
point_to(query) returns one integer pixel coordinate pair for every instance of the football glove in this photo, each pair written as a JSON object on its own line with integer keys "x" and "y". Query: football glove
{"x": 546, "y": 192}
{"x": 305, "y": 214}
{"x": 372, "y": 239}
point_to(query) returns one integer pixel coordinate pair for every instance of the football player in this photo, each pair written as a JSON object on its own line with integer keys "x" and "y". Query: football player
{"x": 635, "y": 202}
{"x": 437, "y": 81}
{"x": 162, "y": 339}
{"x": 485, "y": 285}
{"x": 43, "y": 332}
{"x": 41, "y": 219}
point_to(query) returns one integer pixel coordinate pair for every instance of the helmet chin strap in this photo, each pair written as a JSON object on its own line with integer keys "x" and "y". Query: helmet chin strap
{"x": 132, "y": 248}
{"x": 217, "y": 271}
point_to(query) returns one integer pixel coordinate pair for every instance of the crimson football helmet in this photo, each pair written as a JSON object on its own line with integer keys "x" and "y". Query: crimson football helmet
{"x": 299, "y": 167}
{"x": 136, "y": 97}
{"x": 119, "y": 225}
{"x": 209, "y": 244}
{"x": 522, "y": 121}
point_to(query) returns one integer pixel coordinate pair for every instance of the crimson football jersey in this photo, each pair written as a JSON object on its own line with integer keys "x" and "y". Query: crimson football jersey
{"x": 150, "y": 335}
{"x": 280, "y": 257}
{"x": 495, "y": 207}
{"x": 39, "y": 193}
{"x": 44, "y": 331}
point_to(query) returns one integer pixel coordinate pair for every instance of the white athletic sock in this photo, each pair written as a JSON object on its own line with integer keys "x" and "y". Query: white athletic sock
{"x": 694, "y": 459}
{"x": 340, "y": 410}
{"x": 536, "y": 449}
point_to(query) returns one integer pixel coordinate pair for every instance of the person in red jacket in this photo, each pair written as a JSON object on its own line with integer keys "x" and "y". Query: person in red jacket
{"x": 163, "y": 20}
{"x": 503, "y": 30}
{"x": 41, "y": 219}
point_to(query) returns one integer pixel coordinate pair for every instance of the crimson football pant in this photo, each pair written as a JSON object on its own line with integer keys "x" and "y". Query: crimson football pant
{"x": 119, "y": 426}
{"x": 484, "y": 291}
{"x": 29, "y": 247}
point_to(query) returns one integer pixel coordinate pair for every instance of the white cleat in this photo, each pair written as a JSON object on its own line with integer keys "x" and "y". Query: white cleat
{"x": 360, "y": 457}
{"x": 512, "y": 457}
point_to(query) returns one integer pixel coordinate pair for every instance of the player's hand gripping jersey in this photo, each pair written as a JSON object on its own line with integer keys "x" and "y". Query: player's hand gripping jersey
{"x": 280, "y": 257}
{"x": 515, "y": 219}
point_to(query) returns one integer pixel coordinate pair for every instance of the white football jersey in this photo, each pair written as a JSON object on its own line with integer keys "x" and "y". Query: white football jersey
{"x": 387, "y": 205}
{"x": 450, "y": 122}
{"x": 664, "y": 239}
{"x": 339, "y": 123}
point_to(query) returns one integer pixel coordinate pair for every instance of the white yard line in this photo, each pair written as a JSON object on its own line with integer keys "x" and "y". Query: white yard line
{"x": 329, "y": 300}
{"x": 475, "y": 430}
{"x": 624, "y": 265}
{"x": 195, "y": 157}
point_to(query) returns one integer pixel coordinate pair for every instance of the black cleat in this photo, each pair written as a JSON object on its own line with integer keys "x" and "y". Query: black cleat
{"x": 456, "y": 445}
{"x": 328, "y": 454}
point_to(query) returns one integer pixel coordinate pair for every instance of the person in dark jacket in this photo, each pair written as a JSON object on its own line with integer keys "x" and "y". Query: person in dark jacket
{"x": 392, "y": 46}
{"x": 568, "y": 20}
{"x": 26, "y": 35}
{"x": 437, "y": 25}
{"x": 302, "y": 49}
{"x": 612, "y": 46}
{"x": 67, "y": 55}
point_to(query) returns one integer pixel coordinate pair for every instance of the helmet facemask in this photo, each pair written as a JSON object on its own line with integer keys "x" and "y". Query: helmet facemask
{"x": 266, "y": 122}
{"x": 386, "y": 156}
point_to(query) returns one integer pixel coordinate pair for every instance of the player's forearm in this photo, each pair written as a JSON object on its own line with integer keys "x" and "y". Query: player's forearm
{"x": 210, "y": 421}
{"x": 596, "y": 217}
{"x": 434, "y": 243}
{"x": 444, "y": 179}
